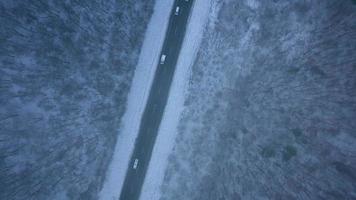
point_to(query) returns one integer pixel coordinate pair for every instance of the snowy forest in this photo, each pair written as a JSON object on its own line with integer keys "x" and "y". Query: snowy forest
{"x": 269, "y": 112}
{"x": 271, "y": 105}
{"x": 65, "y": 72}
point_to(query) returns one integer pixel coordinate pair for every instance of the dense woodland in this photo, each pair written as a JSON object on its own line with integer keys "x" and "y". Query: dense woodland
{"x": 271, "y": 107}
{"x": 65, "y": 71}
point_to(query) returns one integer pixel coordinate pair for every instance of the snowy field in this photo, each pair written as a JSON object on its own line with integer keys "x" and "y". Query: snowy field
{"x": 270, "y": 106}
{"x": 137, "y": 98}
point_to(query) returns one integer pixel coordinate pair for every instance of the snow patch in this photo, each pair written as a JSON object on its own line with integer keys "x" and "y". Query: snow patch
{"x": 253, "y": 4}
{"x": 213, "y": 12}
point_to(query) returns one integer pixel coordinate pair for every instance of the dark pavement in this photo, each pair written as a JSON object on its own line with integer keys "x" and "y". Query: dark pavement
{"x": 156, "y": 103}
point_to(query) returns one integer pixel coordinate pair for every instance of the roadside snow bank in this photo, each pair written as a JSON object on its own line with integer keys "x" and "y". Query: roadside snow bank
{"x": 168, "y": 128}
{"x": 137, "y": 99}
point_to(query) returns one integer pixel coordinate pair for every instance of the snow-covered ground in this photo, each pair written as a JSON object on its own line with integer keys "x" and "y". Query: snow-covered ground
{"x": 66, "y": 68}
{"x": 269, "y": 108}
{"x": 137, "y": 99}
{"x": 168, "y": 127}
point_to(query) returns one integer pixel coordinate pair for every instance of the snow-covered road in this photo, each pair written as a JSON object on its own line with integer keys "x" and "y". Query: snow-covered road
{"x": 138, "y": 96}
{"x": 137, "y": 99}
{"x": 167, "y": 131}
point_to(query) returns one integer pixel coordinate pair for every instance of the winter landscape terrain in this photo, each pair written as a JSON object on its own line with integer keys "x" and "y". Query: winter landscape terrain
{"x": 262, "y": 104}
{"x": 270, "y": 107}
{"x": 65, "y": 71}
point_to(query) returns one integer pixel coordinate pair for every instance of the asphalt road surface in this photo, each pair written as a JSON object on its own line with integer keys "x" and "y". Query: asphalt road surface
{"x": 156, "y": 102}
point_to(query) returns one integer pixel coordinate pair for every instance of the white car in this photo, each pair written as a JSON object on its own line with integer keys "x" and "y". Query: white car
{"x": 177, "y": 10}
{"x": 163, "y": 58}
{"x": 135, "y": 164}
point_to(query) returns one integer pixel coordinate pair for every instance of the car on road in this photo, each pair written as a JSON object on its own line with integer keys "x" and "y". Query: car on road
{"x": 177, "y": 11}
{"x": 135, "y": 164}
{"x": 163, "y": 58}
